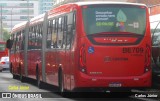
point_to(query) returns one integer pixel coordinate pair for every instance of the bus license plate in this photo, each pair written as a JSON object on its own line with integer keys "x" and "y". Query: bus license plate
{"x": 115, "y": 85}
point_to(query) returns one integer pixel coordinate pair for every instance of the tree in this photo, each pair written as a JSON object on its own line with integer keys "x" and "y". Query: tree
{"x": 6, "y": 35}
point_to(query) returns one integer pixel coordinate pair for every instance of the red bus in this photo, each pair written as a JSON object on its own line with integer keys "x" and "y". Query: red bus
{"x": 85, "y": 45}
{"x": 3, "y": 49}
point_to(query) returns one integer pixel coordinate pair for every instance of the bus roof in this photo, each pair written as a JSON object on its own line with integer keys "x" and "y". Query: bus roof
{"x": 66, "y": 7}
{"x": 106, "y": 2}
{"x": 36, "y": 19}
{"x": 19, "y": 26}
{"x": 40, "y": 18}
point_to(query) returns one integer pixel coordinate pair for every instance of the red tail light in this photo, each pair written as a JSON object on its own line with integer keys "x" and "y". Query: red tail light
{"x": 82, "y": 59}
{"x": 3, "y": 62}
{"x": 147, "y": 59}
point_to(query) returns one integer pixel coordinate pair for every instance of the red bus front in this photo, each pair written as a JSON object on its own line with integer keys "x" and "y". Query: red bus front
{"x": 114, "y": 47}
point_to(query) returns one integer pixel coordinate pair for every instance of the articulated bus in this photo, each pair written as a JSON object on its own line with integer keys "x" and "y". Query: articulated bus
{"x": 85, "y": 45}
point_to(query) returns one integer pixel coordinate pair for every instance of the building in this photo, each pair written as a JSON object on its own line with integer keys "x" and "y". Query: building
{"x": 45, "y": 5}
{"x": 59, "y": 2}
{"x": 16, "y": 11}
{"x": 147, "y": 2}
{"x": 154, "y": 9}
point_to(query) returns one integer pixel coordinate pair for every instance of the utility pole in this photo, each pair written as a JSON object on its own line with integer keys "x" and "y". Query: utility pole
{"x": 1, "y": 26}
{"x": 26, "y": 44}
{"x": 28, "y": 9}
{"x": 11, "y": 18}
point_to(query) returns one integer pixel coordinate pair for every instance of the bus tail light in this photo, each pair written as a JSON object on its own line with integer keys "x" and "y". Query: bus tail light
{"x": 3, "y": 63}
{"x": 82, "y": 59}
{"x": 147, "y": 59}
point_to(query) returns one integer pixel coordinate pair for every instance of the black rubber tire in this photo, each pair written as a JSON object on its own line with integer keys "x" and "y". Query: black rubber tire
{"x": 14, "y": 76}
{"x": 22, "y": 79}
{"x": 38, "y": 82}
{"x": 62, "y": 91}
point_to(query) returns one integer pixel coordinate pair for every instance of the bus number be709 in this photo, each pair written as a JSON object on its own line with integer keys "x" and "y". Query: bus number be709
{"x": 133, "y": 50}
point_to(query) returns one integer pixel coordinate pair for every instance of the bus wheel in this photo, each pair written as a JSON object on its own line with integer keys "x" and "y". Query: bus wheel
{"x": 20, "y": 74}
{"x": 21, "y": 78}
{"x": 38, "y": 82}
{"x": 14, "y": 76}
{"x": 10, "y": 68}
{"x": 61, "y": 83}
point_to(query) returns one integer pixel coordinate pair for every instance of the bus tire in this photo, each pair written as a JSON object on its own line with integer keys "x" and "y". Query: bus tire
{"x": 38, "y": 82}
{"x": 14, "y": 76}
{"x": 61, "y": 83}
{"x": 11, "y": 68}
{"x": 22, "y": 78}
{"x": 20, "y": 74}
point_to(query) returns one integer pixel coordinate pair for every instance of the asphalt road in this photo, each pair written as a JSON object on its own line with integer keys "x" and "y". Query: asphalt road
{"x": 14, "y": 90}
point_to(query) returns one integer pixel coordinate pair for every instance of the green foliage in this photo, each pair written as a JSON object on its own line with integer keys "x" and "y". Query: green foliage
{"x": 6, "y": 35}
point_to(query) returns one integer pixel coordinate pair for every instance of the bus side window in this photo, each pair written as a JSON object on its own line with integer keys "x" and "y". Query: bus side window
{"x": 70, "y": 29}
{"x": 13, "y": 45}
{"x": 29, "y": 38}
{"x": 17, "y": 41}
{"x": 74, "y": 21}
{"x": 22, "y": 38}
{"x": 33, "y": 38}
{"x": 40, "y": 35}
{"x": 49, "y": 33}
{"x": 63, "y": 29}
{"x": 60, "y": 33}
{"x": 36, "y": 39}
{"x": 65, "y": 32}
{"x": 54, "y": 34}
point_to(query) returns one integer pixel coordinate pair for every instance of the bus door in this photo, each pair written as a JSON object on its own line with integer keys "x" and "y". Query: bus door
{"x": 12, "y": 53}
{"x": 69, "y": 52}
{"x": 17, "y": 53}
{"x": 63, "y": 48}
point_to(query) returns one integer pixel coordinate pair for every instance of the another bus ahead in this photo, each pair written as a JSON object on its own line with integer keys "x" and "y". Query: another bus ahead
{"x": 85, "y": 45}
{"x": 3, "y": 49}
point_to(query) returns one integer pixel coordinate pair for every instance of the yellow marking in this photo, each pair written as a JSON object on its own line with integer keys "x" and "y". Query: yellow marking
{"x": 12, "y": 87}
{"x": 18, "y": 87}
{"x": 24, "y": 88}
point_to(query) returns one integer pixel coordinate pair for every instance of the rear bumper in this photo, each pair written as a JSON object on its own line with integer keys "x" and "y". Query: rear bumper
{"x": 83, "y": 80}
{"x": 1, "y": 68}
{"x": 4, "y": 66}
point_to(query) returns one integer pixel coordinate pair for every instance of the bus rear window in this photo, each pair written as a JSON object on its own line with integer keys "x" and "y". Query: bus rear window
{"x": 114, "y": 18}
